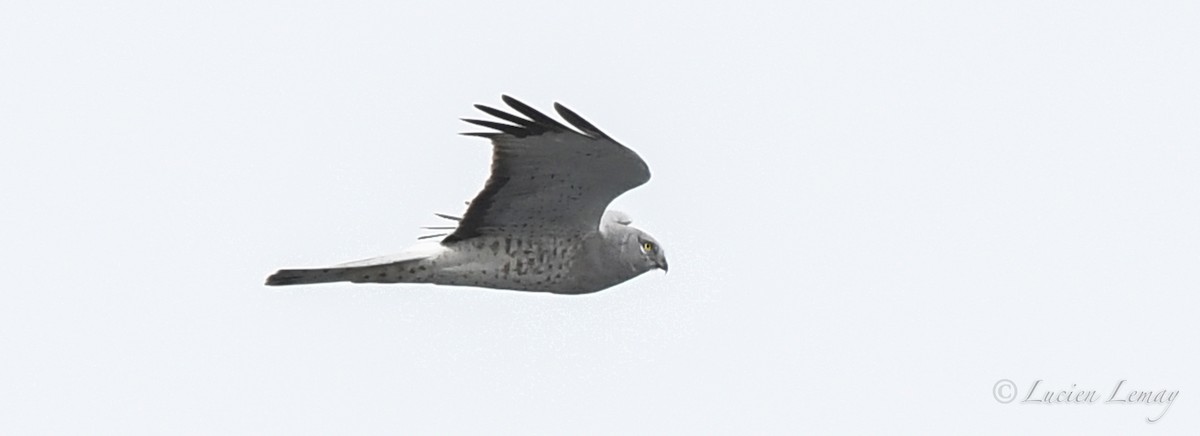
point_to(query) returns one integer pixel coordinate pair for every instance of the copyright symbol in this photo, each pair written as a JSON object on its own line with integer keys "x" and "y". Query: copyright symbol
{"x": 1005, "y": 391}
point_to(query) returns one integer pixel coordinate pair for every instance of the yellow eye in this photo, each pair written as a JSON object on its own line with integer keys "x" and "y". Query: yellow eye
{"x": 648, "y": 246}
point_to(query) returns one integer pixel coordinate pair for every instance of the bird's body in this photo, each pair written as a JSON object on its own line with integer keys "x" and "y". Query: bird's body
{"x": 505, "y": 261}
{"x": 538, "y": 225}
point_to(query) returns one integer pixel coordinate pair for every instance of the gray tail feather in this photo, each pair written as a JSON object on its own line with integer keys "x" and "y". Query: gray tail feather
{"x": 286, "y": 277}
{"x": 384, "y": 269}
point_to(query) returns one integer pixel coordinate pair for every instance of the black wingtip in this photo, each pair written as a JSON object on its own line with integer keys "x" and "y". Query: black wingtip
{"x": 578, "y": 121}
{"x": 537, "y": 124}
{"x": 506, "y": 116}
{"x": 517, "y": 131}
{"x": 533, "y": 114}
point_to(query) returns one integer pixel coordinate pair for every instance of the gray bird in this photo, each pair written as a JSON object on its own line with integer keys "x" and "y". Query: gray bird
{"x": 539, "y": 224}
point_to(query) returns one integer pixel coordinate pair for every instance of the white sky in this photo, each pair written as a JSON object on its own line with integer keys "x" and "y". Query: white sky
{"x": 873, "y": 212}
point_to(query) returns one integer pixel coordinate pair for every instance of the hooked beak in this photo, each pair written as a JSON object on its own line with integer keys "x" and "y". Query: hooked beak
{"x": 662, "y": 264}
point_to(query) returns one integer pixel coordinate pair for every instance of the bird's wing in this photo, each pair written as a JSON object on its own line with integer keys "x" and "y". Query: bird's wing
{"x": 547, "y": 178}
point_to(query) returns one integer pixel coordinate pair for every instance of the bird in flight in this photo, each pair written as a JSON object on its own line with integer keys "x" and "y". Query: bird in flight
{"x": 540, "y": 223}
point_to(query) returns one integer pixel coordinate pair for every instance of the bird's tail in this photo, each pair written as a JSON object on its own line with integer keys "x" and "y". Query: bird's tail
{"x": 285, "y": 277}
{"x": 406, "y": 266}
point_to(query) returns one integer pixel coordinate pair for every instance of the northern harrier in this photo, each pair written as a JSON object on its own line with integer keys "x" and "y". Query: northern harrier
{"x": 539, "y": 224}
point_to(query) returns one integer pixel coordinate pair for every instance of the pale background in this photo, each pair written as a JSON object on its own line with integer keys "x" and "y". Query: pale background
{"x": 873, "y": 212}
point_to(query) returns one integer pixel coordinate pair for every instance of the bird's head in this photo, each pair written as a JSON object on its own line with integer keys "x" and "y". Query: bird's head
{"x": 637, "y": 247}
{"x": 653, "y": 255}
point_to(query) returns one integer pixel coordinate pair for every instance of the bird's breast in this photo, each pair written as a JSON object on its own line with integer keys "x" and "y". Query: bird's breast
{"x": 541, "y": 263}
